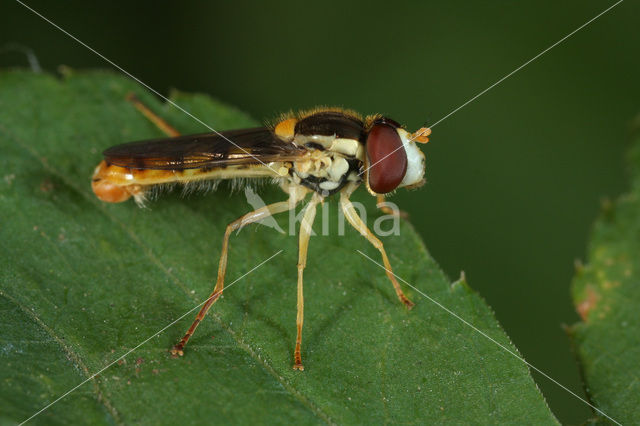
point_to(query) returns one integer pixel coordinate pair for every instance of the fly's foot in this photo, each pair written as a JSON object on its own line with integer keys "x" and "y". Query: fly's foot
{"x": 407, "y": 303}
{"x": 298, "y": 361}
{"x": 177, "y": 350}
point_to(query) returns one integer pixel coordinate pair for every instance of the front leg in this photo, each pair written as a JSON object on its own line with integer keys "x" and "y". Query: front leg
{"x": 352, "y": 217}
{"x": 384, "y": 208}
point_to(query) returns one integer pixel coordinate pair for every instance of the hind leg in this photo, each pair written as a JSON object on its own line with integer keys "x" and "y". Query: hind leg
{"x": 159, "y": 122}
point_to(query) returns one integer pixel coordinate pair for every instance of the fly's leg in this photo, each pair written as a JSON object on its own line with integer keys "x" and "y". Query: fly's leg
{"x": 159, "y": 122}
{"x": 248, "y": 218}
{"x": 352, "y": 216}
{"x": 303, "y": 245}
{"x": 384, "y": 208}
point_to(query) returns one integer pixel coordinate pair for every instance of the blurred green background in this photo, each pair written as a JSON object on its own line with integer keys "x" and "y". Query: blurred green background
{"x": 515, "y": 179}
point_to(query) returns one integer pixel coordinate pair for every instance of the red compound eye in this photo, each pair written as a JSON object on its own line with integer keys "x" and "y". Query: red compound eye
{"x": 387, "y": 158}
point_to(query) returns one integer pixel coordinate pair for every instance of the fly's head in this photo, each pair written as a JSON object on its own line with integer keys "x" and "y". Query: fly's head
{"x": 393, "y": 160}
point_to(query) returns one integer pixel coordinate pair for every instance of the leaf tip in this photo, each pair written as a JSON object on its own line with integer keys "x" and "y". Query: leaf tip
{"x": 461, "y": 282}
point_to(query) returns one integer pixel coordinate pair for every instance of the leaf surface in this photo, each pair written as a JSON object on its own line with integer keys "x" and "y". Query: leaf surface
{"x": 606, "y": 293}
{"x": 83, "y": 282}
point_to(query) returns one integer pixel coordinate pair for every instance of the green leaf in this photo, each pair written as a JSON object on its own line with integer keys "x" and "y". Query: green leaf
{"x": 83, "y": 282}
{"x": 606, "y": 293}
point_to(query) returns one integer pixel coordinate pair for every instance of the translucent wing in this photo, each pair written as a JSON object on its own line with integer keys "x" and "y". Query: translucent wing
{"x": 233, "y": 147}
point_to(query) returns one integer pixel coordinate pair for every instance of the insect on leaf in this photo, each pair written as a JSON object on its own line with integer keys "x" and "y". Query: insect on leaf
{"x": 82, "y": 282}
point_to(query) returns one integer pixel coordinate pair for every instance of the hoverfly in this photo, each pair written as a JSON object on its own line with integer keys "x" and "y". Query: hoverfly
{"x": 321, "y": 152}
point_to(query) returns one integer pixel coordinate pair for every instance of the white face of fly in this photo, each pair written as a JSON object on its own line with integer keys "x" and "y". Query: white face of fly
{"x": 415, "y": 161}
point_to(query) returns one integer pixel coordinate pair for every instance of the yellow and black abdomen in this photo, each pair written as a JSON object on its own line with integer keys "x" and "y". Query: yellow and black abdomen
{"x": 130, "y": 169}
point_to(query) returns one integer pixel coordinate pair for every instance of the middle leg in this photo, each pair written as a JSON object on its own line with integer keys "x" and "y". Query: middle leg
{"x": 248, "y": 218}
{"x": 303, "y": 245}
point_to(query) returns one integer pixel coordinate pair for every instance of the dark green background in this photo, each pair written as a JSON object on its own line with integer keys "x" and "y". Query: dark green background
{"x": 515, "y": 178}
